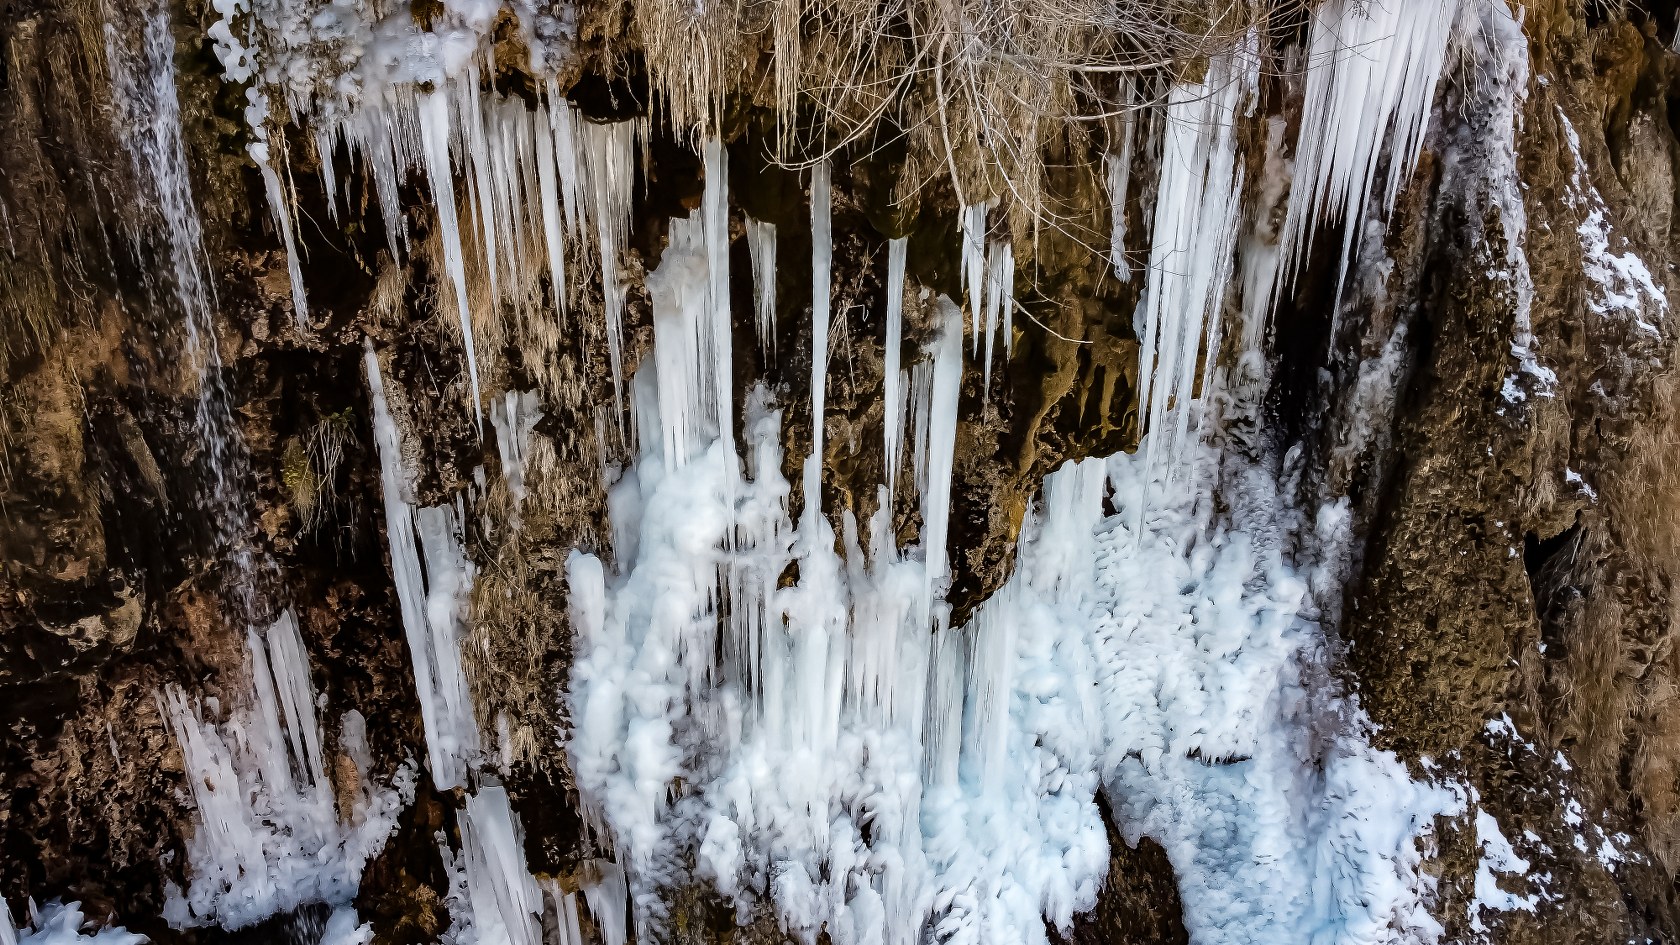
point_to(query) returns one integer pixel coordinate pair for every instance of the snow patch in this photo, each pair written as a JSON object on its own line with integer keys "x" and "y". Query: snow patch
{"x": 1497, "y": 857}
{"x": 1625, "y": 286}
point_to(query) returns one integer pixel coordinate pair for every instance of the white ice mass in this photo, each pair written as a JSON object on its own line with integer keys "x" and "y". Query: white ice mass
{"x": 833, "y": 747}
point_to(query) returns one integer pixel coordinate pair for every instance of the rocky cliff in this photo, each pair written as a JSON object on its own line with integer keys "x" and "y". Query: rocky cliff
{"x": 526, "y": 472}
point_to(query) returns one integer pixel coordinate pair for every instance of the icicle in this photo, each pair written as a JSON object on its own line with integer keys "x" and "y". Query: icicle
{"x": 990, "y": 677}
{"x": 761, "y": 243}
{"x": 691, "y": 319}
{"x": 289, "y": 663}
{"x": 893, "y": 420}
{"x": 1119, "y": 179}
{"x": 1372, "y": 69}
{"x": 562, "y": 120}
{"x": 506, "y": 903}
{"x": 942, "y": 745}
{"x": 1000, "y": 301}
{"x": 682, "y": 299}
{"x": 610, "y": 171}
{"x": 281, "y": 210}
{"x": 821, "y": 259}
{"x": 972, "y": 228}
{"x": 431, "y": 598}
{"x": 1072, "y": 508}
{"x": 609, "y": 903}
{"x": 1196, "y": 214}
{"x": 716, "y": 342}
{"x": 941, "y": 426}
{"x": 268, "y": 835}
{"x": 564, "y": 915}
{"x": 1008, "y": 290}
{"x": 325, "y": 141}
{"x": 515, "y": 415}
{"x": 433, "y": 115}
{"x": 481, "y": 203}
{"x": 553, "y": 239}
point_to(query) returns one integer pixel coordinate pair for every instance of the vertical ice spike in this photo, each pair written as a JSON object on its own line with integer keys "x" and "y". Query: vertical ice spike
{"x": 822, "y": 249}
{"x": 941, "y": 423}
{"x": 1196, "y": 214}
{"x": 719, "y": 348}
{"x": 433, "y": 114}
{"x": 893, "y": 420}
{"x": 1371, "y": 76}
{"x": 430, "y": 596}
{"x": 972, "y": 230}
{"x": 552, "y": 219}
{"x": 506, "y": 902}
{"x": 609, "y": 169}
{"x": 761, "y": 242}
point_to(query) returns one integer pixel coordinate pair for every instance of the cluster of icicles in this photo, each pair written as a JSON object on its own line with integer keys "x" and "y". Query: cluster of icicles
{"x": 851, "y": 760}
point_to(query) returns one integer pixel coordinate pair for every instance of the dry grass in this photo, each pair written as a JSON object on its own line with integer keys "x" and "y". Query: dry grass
{"x": 978, "y": 89}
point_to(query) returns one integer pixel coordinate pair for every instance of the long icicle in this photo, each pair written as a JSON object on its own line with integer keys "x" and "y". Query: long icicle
{"x": 822, "y": 249}
{"x": 893, "y": 420}
{"x": 434, "y": 133}
{"x": 761, "y": 243}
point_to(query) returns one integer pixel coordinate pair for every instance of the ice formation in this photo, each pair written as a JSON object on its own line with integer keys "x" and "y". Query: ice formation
{"x": 269, "y": 837}
{"x": 822, "y": 258}
{"x": 498, "y": 901}
{"x": 848, "y": 758}
{"x": 1371, "y": 77}
{"x": 506, "y": 902}
{"x": 1195, "y": 230}
{"x": 761, "y": 245}
{"x": 59, "y": 924}
{"x": 1118, "y": 177}
{"x": 405, "y": 100}
{"x": 434, "y": 579}
{"x": 988, "y": 277}
{"x": 893, "y": 376}
{"x": 843, "y": 753}
{"x": 1372, "y": 70}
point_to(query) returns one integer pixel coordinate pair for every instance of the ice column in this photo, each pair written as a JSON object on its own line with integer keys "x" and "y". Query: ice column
{"x": 1119, "y": 176}
{"x": 893, "y": 417}
{"x": 268, "y": 838}
{"x": 431, "y": 598}
{"x": 822, "y": 249}
{"x": 506, "y": 902}
{"x": 433, "y": 114}
{"x": 1196, "y": 214}
{"x": 761, "y": 243}
{"x": 609, "y": 159}
{"x": 716, "y": 343}
{"x": 941, "y": 432}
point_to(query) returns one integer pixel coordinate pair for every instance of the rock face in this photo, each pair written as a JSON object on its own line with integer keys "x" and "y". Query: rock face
{"x": 1475, "y": 410}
